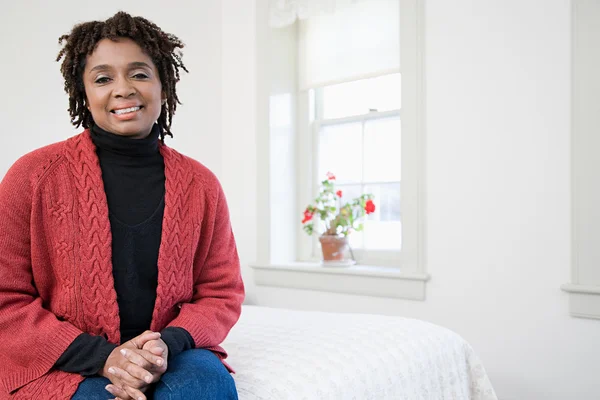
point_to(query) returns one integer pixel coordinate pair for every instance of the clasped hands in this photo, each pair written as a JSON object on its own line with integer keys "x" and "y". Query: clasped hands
{"x": 135, "y": 365}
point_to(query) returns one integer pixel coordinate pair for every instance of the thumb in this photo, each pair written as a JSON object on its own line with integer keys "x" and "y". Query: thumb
{"x": 158, "y": 351}
{"x": 141, "y": 340}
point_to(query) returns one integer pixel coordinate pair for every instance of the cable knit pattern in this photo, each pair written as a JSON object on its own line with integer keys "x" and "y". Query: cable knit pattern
{"x": 56, "y": 271}
{"x": 175, "y": 282}
{"x": 100, "y": 310}
{"x": 60, "y": 206}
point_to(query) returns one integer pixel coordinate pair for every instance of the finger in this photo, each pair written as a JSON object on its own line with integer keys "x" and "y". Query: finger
{"x": 135, "y": 393}
{"x": 136, "y": 358}
{"x": 126, "y": 377}
{"x": 140, "y": 340}
{"x": 157, "y": 350}
{"x": 117, "y": 392}
{"x": 139, "y": 373}
{"x": 143, "y": 358}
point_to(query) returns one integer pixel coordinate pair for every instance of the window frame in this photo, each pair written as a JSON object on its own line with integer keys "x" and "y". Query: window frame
{"x": 404, "y": 278}
{"x": 411, "y": 256}
{"x": 584, "y": 287}
{"x": 310, "y": 251}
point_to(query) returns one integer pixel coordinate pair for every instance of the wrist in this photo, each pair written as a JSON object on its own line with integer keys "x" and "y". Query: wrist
{"x": 103, "y": 371}
{"x": 106, "y": 353}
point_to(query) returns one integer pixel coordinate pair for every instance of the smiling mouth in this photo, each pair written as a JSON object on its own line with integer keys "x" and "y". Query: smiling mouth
{"x": 123, "y": 111}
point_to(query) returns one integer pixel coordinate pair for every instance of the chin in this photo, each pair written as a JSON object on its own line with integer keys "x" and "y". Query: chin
{"x": 132, "y": 131}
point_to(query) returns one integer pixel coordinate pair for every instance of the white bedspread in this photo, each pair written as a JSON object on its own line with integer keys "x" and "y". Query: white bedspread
{"x": 283, "y": 354}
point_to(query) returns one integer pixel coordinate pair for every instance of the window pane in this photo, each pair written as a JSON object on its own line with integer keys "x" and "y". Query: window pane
{"x": 387, "y": 201}
{"x": 383, "y": 228}
{"x": 360, "y": 97}
{"x": 383, "y": 235}
{"x": 349, "y": 192}
{"x": 382, "y": 150}
{"x": 340, "y": 151}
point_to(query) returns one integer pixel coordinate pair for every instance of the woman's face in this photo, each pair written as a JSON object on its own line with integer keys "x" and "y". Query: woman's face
{"x": 122, "y": 88}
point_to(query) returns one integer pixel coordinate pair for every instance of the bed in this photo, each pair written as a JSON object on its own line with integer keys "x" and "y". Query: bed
{"x": 283, "y": 354}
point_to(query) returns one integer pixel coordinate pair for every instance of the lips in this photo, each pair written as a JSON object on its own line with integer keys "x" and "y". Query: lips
{"x": 126, "y": 113}
{"x": 126, "y": 108}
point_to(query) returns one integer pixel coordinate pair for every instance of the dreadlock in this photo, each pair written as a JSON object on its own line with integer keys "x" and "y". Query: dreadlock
{"x": 158, "y": 45}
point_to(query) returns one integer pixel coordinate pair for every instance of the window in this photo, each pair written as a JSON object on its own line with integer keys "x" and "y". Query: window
{"x": 349, "y": 69}
{"x": 338, "y": 78}
{"x": 358, "y": 134}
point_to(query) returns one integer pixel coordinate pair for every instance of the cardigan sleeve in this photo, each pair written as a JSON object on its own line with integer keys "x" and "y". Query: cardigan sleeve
{"x": 31, "y": 337}
{"x": 218, "y": 287}
{"x": 177, "y": 340}
{"x": 86, "y": 355}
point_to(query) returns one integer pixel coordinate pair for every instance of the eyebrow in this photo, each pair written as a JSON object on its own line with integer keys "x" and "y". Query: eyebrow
{"x": 135, "y": 64}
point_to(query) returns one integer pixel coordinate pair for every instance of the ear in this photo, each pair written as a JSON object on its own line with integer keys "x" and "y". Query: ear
{"x": 164, "y": 98}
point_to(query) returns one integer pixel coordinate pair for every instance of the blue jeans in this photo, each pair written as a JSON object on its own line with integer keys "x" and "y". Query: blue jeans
{"x": 193, "y": 374}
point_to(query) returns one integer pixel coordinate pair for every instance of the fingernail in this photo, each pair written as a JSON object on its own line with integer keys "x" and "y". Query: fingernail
{"x": 148, "y": 379}
{"x": 140, "y": 398}
{"x": 159, "y": 361}
{"x": 124, "y": 352}
{"x": 111, "y": 370}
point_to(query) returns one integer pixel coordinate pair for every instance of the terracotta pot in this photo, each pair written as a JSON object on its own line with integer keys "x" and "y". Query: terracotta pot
{"x": 333, "y": 247}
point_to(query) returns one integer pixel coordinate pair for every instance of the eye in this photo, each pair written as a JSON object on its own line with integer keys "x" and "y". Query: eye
{"x": 101, "y": 80}
{"x": 140, "y": 75}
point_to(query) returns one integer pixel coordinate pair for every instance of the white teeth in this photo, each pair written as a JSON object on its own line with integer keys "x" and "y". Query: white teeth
{"x": 126, "y": 110}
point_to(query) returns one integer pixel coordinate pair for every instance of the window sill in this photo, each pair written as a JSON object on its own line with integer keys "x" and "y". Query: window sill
{"x": 357, "y": 279}
{"x": 584, "y": 301}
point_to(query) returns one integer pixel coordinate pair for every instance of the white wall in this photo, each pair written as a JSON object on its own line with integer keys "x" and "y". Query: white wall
{"x": 239, "y": 151}
{"x": 33, "y": 105}
{"x": 498, "y": 240}
{"x": 498, "y": 247}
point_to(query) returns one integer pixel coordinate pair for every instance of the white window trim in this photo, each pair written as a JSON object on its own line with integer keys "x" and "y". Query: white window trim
{"x": 359, "y": 279}
{"x": 584, "y": 295}
{"x": 403, "y": 278}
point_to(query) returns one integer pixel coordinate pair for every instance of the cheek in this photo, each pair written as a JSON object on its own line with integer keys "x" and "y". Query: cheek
{"x": 158, "y": 95}
{"x": 157, "y": 99}
{"x": 94, "y": 99}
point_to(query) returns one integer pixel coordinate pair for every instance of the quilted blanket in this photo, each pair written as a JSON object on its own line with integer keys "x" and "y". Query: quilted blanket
{"x": 283, "y": 354}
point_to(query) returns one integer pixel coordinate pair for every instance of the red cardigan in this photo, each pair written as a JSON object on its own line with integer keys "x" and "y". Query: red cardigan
{"x": 55, "y": 263}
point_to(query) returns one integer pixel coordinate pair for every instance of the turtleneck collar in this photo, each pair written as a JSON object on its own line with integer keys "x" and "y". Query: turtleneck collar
{"x": 124, "y": 146}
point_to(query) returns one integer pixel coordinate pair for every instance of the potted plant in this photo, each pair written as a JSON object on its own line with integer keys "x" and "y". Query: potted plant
{"x": 339, "y": 217}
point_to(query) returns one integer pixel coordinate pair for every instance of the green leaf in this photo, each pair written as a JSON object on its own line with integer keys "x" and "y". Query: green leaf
{"x": 308, "y": 228}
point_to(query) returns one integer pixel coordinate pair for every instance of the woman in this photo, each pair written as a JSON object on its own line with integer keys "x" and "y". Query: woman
{"x": 119, "y": 274}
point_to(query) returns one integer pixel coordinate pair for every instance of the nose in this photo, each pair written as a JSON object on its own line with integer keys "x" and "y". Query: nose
{"x": 123, "y": 88}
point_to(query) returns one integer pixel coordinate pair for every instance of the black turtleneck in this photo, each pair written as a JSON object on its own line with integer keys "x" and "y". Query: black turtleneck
{"x": 133, "y": 173}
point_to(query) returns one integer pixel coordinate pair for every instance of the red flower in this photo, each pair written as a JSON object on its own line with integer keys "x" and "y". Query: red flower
{"x": 307, "y": 216}
{"x": 330, "y": 176}
{"x": 370, "y": 207}
{"x": 339, "y": 193}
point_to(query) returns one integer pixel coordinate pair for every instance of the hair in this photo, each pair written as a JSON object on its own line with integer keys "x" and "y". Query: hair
{"x": 161, "y": 47}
